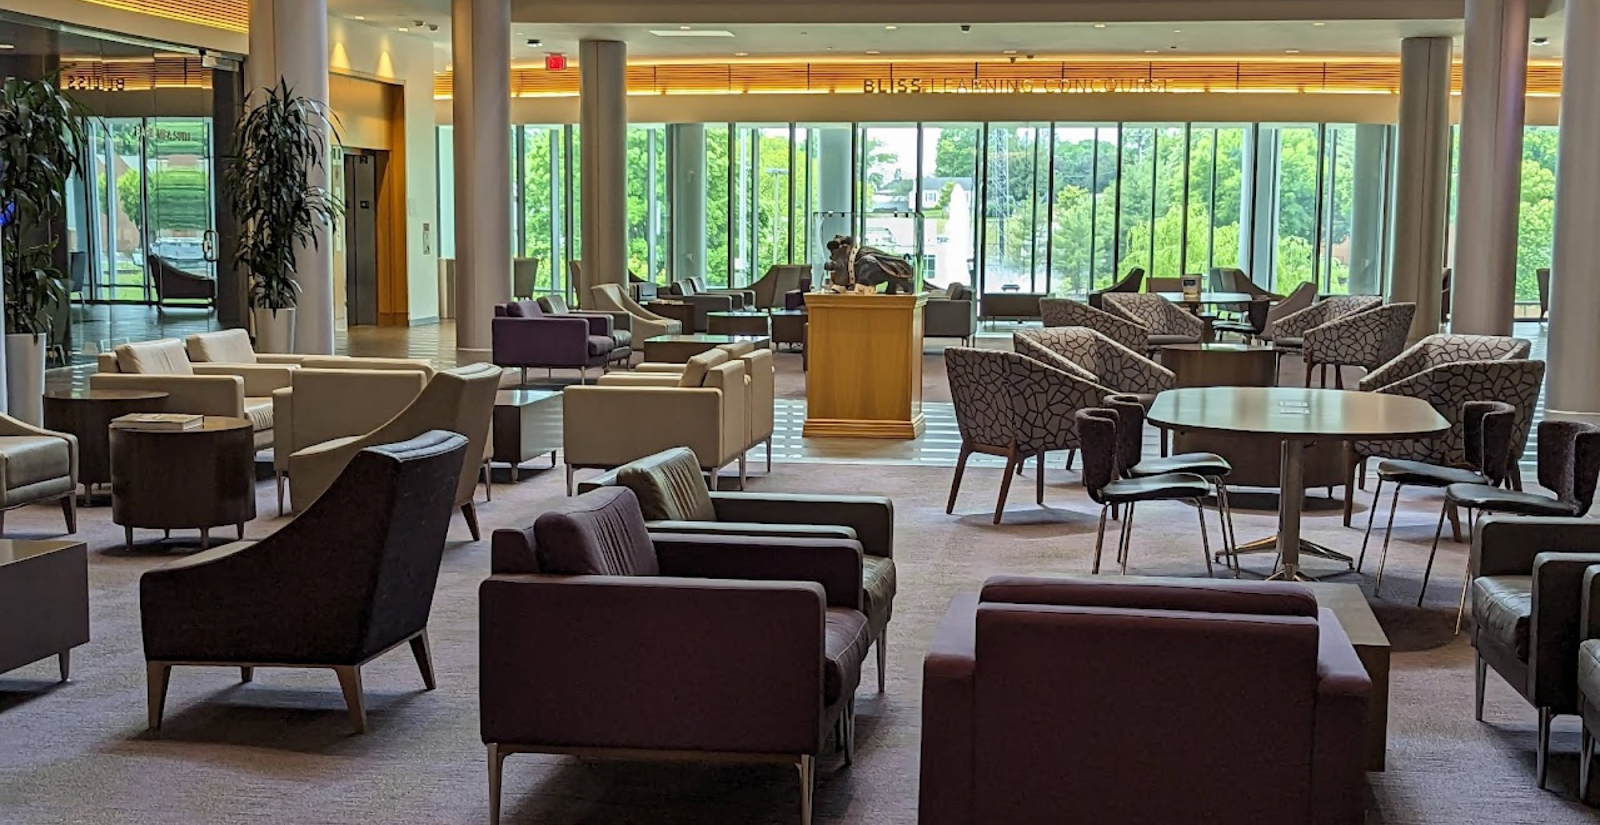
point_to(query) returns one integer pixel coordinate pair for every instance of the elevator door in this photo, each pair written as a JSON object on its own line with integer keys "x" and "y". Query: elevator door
{"x": 361, "y": 174}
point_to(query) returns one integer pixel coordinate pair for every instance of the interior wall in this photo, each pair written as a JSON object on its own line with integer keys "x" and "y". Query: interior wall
{"x": 363, "y": 51}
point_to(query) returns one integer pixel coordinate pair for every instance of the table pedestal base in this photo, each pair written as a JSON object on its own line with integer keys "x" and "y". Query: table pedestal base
{"x": 1307, "y": 548}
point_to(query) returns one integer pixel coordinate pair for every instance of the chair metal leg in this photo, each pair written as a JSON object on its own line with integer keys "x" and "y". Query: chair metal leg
{"x": 769, "y": 453}
{"x": 1372, "y": 515}
{"x": 280, "y": 477}
{"x": 355, "y": 703}
{"x": 247, "y": 674}
{"x": 883, "y": 657}
{"x": 1480, "y": 671}
{"x": 1585, "y": 762}
{"x": 808, "y": 783}
{"x": 1100, "y": 538}
{"x": 1466, "y": 582}
{"x": 1127, "y": 540}
{"x": 847, "y": 740}
{"x": 1230, "y": 539}
{"x": 955, "y": 483}
{"x": 570, "y": 472}
{"x": 743, "y": 473}
{"x": 497, "y": 764}
{"x": 424, "y": 657}
{"x": 1205, "y": 541}
{"x": 156, "y": 675}
{"x": 1542, "y": 763}
{"x": 1428, "y": 571}
{"x": 1388, "y": 531}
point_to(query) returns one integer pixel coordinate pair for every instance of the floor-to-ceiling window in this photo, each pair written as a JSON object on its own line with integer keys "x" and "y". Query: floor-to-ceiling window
{"x": 646, "y": 210}
{"x": 950, "y": 202}
{"x": 1015, "y": 179}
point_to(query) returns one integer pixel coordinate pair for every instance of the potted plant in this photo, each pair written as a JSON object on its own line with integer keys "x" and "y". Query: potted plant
{"x": 40, "y": 132}
{"x": 278, "y": 144}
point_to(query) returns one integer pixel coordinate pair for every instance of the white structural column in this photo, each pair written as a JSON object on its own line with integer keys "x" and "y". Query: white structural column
{"x": 1258, "y": 212}
{"x": 686, "y": 151}
{"x": 1422, "y": 186}
{"x": 1494, "y": 80}
{"x": 480, "y": 41}
{"x": 833, "y": 194}
{"x": 1573, "y": 387}
{"x": 603, "y": 122}
{"x": 289, "y": 40}
{"x": 1366, "y": 207}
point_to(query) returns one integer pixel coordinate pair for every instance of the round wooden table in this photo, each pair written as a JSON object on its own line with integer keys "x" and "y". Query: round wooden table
{"x": 1295, "y": 417}
{"x": 88, "y": 414}
{"x": 183, "y": 479}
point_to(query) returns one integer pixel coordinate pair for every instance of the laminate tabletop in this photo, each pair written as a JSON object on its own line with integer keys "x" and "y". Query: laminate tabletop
{"x": 1295, "y": 413}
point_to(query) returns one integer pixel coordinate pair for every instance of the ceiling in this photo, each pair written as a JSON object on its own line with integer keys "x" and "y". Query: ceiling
{"x": 27, "y": 40}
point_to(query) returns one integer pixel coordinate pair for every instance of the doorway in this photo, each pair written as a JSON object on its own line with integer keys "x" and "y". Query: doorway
{"x": 362, "y": 172}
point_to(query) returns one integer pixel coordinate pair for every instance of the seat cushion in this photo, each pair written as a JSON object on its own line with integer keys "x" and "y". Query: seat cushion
{"x": 1502, "y": 607}
{"x": 1423, "y": 474}
{"x": 1157, "y": 488}
{"x": 164, "y": 357}
{"x": 878, "y": 584}
{"x": 31, "y": 459}
{"x": 600, "y": 345}
{"x": 1512, "y": 502}
{"x": 1589, "y": 670}
{"x": 669, "y": 486}
{"x": 1209, "y": 465}
{"x": 622, "y": 337}
{"x": 846, "y": 644}
{"x": 259, "y": 412}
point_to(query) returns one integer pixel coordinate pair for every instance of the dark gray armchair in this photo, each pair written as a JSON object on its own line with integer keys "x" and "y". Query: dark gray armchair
{"x": 955, "y": 315}
{"x": 349, "y": 580}
{"x": 174, "y": 284}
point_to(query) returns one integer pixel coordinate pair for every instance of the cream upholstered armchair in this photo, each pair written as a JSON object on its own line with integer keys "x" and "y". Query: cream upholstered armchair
{"x": 37, "y": 465}
{"x": 459, "y": 400}
{"x": 1164, "y": 322}
{"x": 1367, "y": 339}
{"x": 1065, "y": 312}
{"x": 760, "y": 382}
{"x": 320, "y": 405}
{"x": 232, "y": 346}
{"x": 646, "y": 324}
{"x": 705, "y": 407}
{"x": 234, "y": 390}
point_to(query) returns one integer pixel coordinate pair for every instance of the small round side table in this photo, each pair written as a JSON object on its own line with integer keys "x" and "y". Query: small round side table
{"x": 88, "y": 414}
{"x": 184, "y": 479}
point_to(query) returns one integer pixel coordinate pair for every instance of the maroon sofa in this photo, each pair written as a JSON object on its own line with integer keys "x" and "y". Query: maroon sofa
{"x": 601, "y": 639}
{"x": 1150, "y": 702}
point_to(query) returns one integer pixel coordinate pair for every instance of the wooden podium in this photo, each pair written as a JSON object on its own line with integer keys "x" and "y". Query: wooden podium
{"x": 865, "y": 374}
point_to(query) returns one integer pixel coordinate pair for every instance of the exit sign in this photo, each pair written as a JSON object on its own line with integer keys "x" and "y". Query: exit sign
{"x": 555, "y": 62}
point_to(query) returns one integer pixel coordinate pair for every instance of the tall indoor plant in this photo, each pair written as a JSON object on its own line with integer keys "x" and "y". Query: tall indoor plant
{"x": 278, "y": 144}
{"x": 41, "y": 130}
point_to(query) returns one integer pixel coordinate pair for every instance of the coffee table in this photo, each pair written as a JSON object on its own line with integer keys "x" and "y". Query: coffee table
{"x": 185, "y": 479}
{"x": 87, "y": 414}
{"x": 789, "y": 326}
{"x": 738, "y": 323}
{"x": 45, "y": 588}
{"x": 678, "y": 349}
{"x": 1294, "y": 418}
{"x": 1355, "y": 615}
{"x": 527, "y": 424}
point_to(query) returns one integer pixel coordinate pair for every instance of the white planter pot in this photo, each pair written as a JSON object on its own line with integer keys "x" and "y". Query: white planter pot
{"x": 274, "y": 330}
{"x": 25, "y": 377}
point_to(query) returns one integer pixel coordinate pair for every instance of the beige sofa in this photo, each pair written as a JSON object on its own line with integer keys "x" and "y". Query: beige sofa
{"x": 232, "y": 346}
{"x": 760, "y": 384}
{"x": 324, "y": 404}
{"x": 459, "y": 400}
{"x": 235, "y": 390}
{"x": 705, "y": 407}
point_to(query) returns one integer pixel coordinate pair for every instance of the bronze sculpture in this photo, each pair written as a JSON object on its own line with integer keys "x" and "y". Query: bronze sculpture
{"x": 860, "y": 269}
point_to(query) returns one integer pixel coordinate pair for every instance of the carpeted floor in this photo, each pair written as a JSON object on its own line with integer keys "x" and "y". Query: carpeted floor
{"x": 280, "y": 749}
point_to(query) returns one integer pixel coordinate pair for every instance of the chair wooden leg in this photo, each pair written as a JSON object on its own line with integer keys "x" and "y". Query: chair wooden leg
{"x": 1480, "y": 672}
{"x": 1455, "y": 521}
{"x": 1309, "y": 369}
{"x": 1071, "y": 454}
{"x": 64, "y": 664}
{"x": 69, "y": 511}
{"x": 247, "y": 674}
{"x": 488, "y": 482}
{"x": 769, "y": 453}
{"x": 955, "y": 483}
{"x": 156, "y": 675}
{"x": 1585, "y": 762}
{"x": 1039, "y": 482}
{"x": 1338, "y": 377}
{"x": 1542, "y": 761}
{"x": 570, "y": 472}
{"x": 280, "y": 478}
{"x": 808, "y": 783}
{"x": 350, "y": 683}
{"x": 1005, "y": 485}
{"x": 424, "y": 656}
{"x": 497, "y": 764}
{"x": 471, "y": 513}
{"x": 743, "y": 475}
{"x": 883, "y": 657}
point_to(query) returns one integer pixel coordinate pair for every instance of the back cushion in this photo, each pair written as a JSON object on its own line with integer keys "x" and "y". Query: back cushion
{"x": 1252, "y": 598}
{"x": 524, "y": 309}
{"x": 699, "y": 284}
{"x": 230, "y": 346}
{"x": 737, "y": 348}
{"x": 694, "y": 372}
{"x": 596, "y": 534}
{"x": 669, "y": 486}
{"x": 958, "y": 292}
{"x": 164, "y": 357}
{"x": 555, "y": 304}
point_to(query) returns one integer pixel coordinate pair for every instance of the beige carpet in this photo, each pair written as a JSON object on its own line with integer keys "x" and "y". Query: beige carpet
{"x": 280, "y": 750}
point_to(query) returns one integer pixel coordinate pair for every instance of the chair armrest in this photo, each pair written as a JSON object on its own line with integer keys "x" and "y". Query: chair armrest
{"x": 638, "y": 379}
{"x": 1590, "y": 609}
{"x": 948, "y": 728}
{"x": 1509, "y": 545}
{"x": 872, "y": 517}
{"x": 1556, "y": 627}
{"x": 329, "y": 404}
{"x": 1339, "y": 751}
{"x": 748, "y": 528}
{"x": 259, "y": 379}
{"x": 1409, "y": 363}
{"x": 602, "y": 429}
{"x": 653, "y": 662}
{"x": 600, "y": 323}
{"x": 281, "y": 359}
{"x": 12, "y": 427}
{"x": 194, "y": 394}
{"x": 176, "y": 624}
{"x": 833, "y": 563}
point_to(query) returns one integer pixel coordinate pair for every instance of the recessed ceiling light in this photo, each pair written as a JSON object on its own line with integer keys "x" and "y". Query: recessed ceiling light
{"x": 684, "y": 28}
{"x": 873, "y": 51}
{"x": 1177, "y": 31}
{"x": 404, "y": 29}
{"x": 686, "y": 32}
{"x": 741, "y": 54}
{"x": 1319, "y": 23}
{"x": 890, "y": 28}
{"x": 1291, "y": 51}
{"x": 1541, "y": 41}
{"x": 1009, "y": 51}
{"x": 535, "y": 42}
{"x": 358, "y": 17}
{"x": 1152, "y": 51}
{"x": 7, "y": 46}
{"x": 1099, "y": 25}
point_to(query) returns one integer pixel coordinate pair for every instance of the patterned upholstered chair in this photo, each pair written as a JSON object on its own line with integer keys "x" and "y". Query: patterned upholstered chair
{"x": 1289, "y": 332}
{"x": 1367, "y": 339}
{"x": 1096, "y": 357}
{"x": 1011, "y": 405}
{"x": 1065, "y": 312}
{"x": 1302, "y": 297}
{"x": 1448, "y": 371}
{"x": 1164, "y": 322}
{"x": 1130, "y": 282}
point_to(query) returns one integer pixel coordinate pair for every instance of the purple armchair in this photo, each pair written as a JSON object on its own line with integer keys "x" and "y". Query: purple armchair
{"x": 601, "y": 639}
{"x": 524, "y": 336}
{"x": 1155, "y": 701}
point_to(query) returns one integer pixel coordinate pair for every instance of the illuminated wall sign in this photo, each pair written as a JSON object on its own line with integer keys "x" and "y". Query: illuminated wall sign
{"x": 1008, "y": 86}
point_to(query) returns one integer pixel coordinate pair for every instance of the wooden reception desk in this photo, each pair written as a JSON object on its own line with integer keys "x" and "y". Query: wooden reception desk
{"x": 865, "y": 373}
